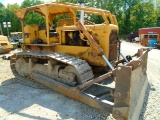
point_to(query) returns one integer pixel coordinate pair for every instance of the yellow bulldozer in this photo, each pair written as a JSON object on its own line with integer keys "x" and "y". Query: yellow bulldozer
{"x": 82, "y": 59}
{"x": 5, "y": 45}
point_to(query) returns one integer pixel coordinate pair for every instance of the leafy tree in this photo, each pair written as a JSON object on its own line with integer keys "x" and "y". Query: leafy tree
{"x": 72, "y": 1}
{"x": 8, "y": 15}
{"x": 2, "y": 12}
{"x": 11, "y": 17}
{"x": 157, "y": 12}
{"x": 28, "y": 3}
{"x": 143, "y": 15}
{"x": 127, "y": 7}
{"x": 2, "y": 15}
{"x": 131, "y": 14}
{"x": 33, "y": 17}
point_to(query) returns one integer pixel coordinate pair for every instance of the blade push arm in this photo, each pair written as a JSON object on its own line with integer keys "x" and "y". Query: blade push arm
{"x": 94, "y": 44}
{"x": 90, "y": 39}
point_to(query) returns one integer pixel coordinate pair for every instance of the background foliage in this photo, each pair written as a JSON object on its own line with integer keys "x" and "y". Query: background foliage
{"x": 131, "y": 14}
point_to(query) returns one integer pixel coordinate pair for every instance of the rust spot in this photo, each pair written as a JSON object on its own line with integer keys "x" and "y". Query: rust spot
{"x": 113, "y": 42}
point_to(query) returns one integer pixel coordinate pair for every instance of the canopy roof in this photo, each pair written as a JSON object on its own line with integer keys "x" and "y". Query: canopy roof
{"x": 54, "y": 8}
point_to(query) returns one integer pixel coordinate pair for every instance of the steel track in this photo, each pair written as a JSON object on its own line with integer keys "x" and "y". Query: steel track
{"x": 82, "y": 67}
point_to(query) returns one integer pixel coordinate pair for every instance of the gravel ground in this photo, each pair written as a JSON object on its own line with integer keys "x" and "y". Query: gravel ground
{"x": 25, "y": 99}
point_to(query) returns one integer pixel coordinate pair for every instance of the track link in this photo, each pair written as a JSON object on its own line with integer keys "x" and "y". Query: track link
{"x": 82, "y": 67}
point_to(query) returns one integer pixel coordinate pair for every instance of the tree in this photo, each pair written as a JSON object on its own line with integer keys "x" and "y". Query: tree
{"x": 131, "y": 14}
{"x": 143, "y": 15}
{"x": 28, "y": 3}
{"x": 157, "y": 13}
{"x": 11, "y": 17}
{"x": 2, "y": 12}
{"x": 2, "y": 15}
{"x": 33, "y": 17}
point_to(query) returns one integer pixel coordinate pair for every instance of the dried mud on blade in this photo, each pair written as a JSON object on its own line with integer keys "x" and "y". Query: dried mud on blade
{"x": 131, "y": 84}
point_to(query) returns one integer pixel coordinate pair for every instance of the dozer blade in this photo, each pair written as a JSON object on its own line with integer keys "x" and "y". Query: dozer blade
{"x": 130, "y": 87}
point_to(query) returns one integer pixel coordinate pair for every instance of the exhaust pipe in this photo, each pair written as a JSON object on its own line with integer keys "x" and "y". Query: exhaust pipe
{"x": 82, "y": 13}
